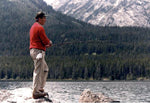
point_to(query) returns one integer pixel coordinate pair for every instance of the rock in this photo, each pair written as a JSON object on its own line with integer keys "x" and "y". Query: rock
{"x": 88, "y": 96}
{"x": 4, "y": 95}
{"x": 21, "y": 95}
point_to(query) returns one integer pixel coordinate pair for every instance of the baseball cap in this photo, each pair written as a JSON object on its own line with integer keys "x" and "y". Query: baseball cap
{"x": 40, "y": 15}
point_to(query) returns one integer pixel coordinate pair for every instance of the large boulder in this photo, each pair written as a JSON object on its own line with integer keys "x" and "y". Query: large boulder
{"x": 88, "y": 96}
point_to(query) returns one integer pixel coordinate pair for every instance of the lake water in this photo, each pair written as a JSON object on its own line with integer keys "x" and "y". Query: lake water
{"x": 69, "y": 92}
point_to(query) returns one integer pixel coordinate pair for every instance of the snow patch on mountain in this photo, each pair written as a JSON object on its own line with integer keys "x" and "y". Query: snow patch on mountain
{"x": 106, "y": 12}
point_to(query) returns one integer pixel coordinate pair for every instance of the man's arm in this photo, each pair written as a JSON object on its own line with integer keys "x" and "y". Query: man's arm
{"x": 44, "y": 38}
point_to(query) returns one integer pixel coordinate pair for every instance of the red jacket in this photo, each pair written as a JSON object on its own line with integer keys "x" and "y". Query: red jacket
{"x": 38, "y": 38}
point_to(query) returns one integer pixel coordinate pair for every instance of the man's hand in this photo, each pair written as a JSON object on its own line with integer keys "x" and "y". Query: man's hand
{"x": 49, "y": 45}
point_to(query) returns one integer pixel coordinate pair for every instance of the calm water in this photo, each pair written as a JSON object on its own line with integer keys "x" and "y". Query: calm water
{"x": 69, "y": 92}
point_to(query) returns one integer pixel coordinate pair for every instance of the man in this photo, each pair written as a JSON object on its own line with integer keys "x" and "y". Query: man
{"x": 38, "y": 44}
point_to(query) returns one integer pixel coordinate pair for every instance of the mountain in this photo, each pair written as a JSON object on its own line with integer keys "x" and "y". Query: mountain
{"x": 106, "y": 12}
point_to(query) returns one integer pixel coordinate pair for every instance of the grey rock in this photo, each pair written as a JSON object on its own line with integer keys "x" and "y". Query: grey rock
{"x": 21, "y": 95}
{"x": 88, "y": 97}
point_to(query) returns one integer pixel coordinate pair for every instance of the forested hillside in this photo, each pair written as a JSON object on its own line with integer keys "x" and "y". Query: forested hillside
{"x": 80, "y": 51}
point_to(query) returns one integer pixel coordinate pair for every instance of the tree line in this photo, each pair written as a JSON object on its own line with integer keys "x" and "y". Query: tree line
{"x": 84, "y": 67}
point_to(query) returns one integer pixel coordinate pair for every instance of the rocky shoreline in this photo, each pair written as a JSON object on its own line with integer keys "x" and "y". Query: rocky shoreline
{"x": 24, "y": 95}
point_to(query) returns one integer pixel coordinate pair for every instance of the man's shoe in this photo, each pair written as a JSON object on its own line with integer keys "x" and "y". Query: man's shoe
{"x": 39, "y": 95}
{"x": 41, "y": 90}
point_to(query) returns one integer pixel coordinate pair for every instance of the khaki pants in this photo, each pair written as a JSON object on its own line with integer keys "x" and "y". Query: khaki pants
{"x": 40, "y": 70}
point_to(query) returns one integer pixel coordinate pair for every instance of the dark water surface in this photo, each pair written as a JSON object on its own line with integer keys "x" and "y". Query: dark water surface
{"x": 69, "y": 92}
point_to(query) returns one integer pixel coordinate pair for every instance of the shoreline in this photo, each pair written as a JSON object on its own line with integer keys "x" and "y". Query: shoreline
{"x": 52, "y": 80}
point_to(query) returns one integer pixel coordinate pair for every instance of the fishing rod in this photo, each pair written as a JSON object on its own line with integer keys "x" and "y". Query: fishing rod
{"x": 65, "y": 43}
